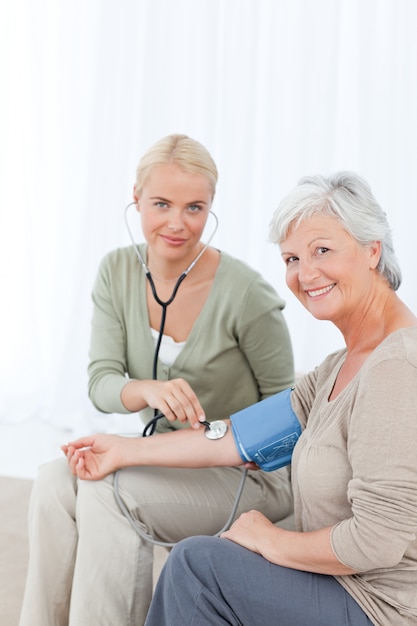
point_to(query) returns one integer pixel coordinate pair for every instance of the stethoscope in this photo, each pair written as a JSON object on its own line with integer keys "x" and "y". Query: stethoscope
{"x": 213, "y": 430}
{"x": 164, "y": 304}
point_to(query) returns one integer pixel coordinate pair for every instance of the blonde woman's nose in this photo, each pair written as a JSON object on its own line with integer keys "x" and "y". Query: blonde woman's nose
{"x": 175, "y": 221}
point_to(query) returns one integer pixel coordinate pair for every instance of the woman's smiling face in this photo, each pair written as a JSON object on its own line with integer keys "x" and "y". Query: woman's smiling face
{"x": 326, "y": 268}
{"x": 174, "y": 205}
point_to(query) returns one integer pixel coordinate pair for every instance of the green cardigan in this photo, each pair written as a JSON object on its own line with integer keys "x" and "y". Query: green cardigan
{"x": 237, "y": 353}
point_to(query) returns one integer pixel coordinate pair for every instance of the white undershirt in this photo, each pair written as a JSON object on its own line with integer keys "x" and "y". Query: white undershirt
{"x": 169, "y": 349}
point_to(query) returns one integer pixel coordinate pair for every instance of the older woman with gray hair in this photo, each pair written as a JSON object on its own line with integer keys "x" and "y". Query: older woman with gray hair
{"x": 352, "y": 560}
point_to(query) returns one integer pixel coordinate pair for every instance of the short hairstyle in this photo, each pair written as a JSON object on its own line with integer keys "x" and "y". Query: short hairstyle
{"x": 347, "y": 197}
{"x": 181, "y": 150}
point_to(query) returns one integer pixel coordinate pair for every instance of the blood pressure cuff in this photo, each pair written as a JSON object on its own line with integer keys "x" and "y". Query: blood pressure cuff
{"x": 266, "y": 432}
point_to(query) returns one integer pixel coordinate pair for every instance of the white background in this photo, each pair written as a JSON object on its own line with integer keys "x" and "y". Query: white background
{"x": 275, "y": 89}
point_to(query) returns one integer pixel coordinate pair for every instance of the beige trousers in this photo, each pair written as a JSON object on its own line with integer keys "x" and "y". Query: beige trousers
{"x": 88, "y": 567}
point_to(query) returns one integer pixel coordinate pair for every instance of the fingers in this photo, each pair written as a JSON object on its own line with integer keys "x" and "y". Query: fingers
{"x": 73, "y": 457}
{"x": 93, "y": 457}
{"x": 74, "y": 452}
{"x": 177, "y": 401}
{"x": 83, "y": 442}
{"x": 182, "y": 408}
{"x": 251, "y": 466}
{"x": 78, "y": 465}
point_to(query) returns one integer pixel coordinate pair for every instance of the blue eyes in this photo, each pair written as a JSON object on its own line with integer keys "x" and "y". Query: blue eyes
{"x": 192, "y": 208}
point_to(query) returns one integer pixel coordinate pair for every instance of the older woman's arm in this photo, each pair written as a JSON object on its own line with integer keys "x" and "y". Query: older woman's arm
{"x": 306, "y": 551}
{"x": 95, "y": 456}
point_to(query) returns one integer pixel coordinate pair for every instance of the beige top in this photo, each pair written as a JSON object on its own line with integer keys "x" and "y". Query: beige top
{"x": 355, "y": 468}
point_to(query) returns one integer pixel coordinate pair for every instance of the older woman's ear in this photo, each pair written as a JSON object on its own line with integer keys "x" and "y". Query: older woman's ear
{"x": 375, "y": 254}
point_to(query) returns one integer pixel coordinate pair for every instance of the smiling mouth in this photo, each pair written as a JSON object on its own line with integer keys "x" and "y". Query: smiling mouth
{"x": 320, "y": 292}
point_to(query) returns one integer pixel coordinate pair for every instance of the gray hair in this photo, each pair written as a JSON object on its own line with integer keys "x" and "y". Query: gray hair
{"x": 348, "y": 198}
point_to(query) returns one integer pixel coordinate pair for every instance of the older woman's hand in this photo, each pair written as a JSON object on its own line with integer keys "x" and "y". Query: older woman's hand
{"x": 250, "y": 529}
{"x": 95, "y": 456}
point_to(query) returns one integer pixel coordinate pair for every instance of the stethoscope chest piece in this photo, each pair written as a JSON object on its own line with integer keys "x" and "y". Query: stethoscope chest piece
{"x": 216, "y": 430}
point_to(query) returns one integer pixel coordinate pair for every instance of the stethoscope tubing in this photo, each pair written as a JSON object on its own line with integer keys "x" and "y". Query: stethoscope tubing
{"x": 184, "y": 273}
{"x": 149, "y": 429}
{"x": 165, "y": 544}
{"x": 164, "y": 303}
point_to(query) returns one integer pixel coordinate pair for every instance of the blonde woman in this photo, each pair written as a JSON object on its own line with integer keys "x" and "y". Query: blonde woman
{"x": 224, "y": 345}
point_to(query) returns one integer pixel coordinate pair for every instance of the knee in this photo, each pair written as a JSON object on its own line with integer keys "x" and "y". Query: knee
{"x": 179, "y": 562}
{"x": 194, "y": 552}
{"x": 197, "y": 561}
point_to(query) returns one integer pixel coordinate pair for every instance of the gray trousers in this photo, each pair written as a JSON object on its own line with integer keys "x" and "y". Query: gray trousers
{"x": 207, "y": 581}
{"x": 88, "y": 567}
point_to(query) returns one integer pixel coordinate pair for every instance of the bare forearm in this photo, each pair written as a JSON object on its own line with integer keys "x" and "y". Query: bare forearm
{"x": 309, "y": 551}
{"x": 306, "y": 551}
{"x": 183, "y": 448}
{"x": 94, "y": 456}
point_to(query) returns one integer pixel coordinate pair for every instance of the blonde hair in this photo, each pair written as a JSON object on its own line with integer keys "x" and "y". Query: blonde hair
{"x": 181, "y": 150}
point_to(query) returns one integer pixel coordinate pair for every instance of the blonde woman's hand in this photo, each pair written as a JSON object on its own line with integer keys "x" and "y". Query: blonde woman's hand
{"x": 174, "y": 398}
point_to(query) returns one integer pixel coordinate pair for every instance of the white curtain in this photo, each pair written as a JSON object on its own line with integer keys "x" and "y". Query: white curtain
{"x": 275, "y": 89}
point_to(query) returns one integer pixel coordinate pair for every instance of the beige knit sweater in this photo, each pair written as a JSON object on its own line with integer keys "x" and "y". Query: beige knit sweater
{"x": 355, "y": 468}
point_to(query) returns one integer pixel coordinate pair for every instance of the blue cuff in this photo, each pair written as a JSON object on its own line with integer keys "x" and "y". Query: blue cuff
{"x": 266, "y": 432}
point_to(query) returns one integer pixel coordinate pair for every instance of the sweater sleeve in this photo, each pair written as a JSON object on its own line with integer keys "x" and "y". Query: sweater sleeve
{"x": 381, "y": 446}
{"x": 107, "y": 367}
